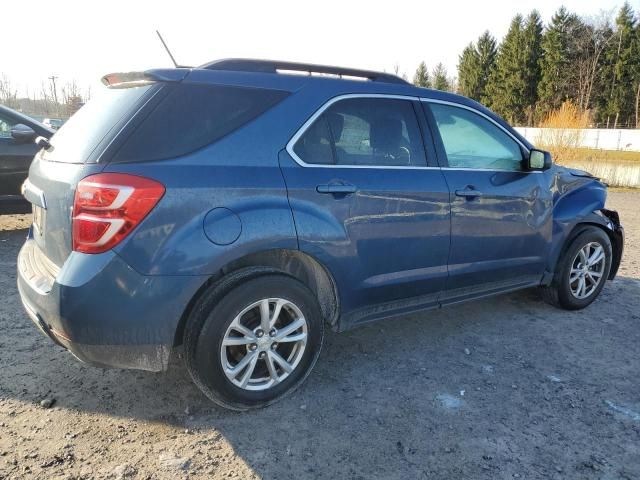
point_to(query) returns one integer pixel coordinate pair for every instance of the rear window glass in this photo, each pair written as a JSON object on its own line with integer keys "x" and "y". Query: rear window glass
{"x": 81, "y": 134}
{"x": 194, "y": 116}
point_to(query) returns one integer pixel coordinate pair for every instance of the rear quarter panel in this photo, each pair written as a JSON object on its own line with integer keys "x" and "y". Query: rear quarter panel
{"x": 239, "y": 173}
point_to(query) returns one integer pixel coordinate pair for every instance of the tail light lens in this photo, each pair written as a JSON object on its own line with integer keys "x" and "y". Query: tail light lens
{"x": 108, "y": 206}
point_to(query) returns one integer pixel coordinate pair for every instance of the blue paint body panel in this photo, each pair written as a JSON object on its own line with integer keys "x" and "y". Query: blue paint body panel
{"x": 387, "y": 242}
{"x": 401, "y": 242}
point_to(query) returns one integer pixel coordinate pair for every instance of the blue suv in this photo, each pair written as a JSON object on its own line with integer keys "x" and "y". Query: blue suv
{"x": 235, "y": 209}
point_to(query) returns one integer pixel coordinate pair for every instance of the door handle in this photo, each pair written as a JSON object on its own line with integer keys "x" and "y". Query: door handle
{"x": 468, "y": 192}
{"x": 336, "y": 188}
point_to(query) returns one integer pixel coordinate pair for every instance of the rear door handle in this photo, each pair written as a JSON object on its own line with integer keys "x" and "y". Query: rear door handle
{"x": 468, "y": 193}
{"x": 336, "y": 188}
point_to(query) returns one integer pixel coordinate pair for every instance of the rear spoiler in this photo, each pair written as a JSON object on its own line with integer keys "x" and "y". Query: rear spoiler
{"x": 136, "y": 79}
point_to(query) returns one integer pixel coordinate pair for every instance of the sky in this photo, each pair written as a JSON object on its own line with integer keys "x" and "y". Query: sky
{"x": 83, "y": 40}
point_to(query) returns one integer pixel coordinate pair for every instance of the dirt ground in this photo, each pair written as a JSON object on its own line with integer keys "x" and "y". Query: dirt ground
{"x": 502, "y": 388}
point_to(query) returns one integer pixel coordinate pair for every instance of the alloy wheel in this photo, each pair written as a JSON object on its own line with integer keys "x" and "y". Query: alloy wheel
{"x": 264, "y": 344}
{"x": 587, "y": 270}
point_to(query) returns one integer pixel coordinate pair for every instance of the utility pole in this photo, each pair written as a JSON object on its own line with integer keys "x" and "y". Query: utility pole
{"x": 55, "y": 91}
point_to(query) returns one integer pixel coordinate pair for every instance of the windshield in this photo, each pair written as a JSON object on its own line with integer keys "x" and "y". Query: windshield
{"x": 80, "y": 135}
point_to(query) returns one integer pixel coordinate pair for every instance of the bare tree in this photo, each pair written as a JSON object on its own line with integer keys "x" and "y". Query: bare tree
{"x": 8, "y": 95}
{"x": 71, "y": 98}
{"x": 590, "y": 43}
{"x": 47, "y": 98}
{"x": 396, "y": 71}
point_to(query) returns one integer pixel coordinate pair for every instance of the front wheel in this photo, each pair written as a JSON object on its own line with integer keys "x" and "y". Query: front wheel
{"x": 582, "y": 271}
{"x": 254, "y": 344}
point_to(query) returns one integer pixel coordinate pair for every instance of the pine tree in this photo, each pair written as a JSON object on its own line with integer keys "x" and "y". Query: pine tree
{"x": 506, "y": 89}
{"x": 469, "y": 72}
{"x": 487, "y": 53}
{"x": 421, "y": 77}
{"x": 636, "y": 75}
{"x": 475, "y": 65}
{"x": 560, "y": 53}
{"x": 531, "y": 52}
{"x": 619, "y": 74}
{"x": 440, "y": 80}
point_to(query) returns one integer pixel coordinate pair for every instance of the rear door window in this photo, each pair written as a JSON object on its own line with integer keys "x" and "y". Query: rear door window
{"x": 364, "y": 132}
{"x": 193, "y": 116}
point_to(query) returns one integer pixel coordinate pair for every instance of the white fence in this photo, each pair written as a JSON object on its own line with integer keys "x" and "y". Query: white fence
{"x": 599, "y": 138}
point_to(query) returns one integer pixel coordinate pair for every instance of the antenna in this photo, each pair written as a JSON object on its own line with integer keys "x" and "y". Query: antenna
{"x": 167, "y": 49}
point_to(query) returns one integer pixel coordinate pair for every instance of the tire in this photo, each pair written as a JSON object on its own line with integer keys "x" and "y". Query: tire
{"x": 565, "y": 290}
{"x": 211, "y": 363}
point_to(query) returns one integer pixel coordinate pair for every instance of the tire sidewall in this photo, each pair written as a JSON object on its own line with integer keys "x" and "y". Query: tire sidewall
{"x": 204, "y": 353}
{"x": 564, "y": 291}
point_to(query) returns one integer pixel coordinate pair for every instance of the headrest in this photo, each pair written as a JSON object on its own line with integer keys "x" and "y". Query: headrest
{"x": 386, "y": 134}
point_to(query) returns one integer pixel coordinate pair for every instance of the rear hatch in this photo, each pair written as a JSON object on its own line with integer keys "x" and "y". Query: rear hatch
{"x": 75, "y": 152}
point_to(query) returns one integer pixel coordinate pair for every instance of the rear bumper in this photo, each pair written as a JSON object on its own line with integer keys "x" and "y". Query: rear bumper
{"x": 104, "y": 312}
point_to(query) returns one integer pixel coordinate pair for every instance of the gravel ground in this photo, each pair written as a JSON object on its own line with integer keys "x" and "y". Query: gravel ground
{"x": 501, "y": 388}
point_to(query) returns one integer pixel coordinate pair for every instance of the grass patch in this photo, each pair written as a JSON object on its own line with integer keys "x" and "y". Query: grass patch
{"x": 590, "y": 154}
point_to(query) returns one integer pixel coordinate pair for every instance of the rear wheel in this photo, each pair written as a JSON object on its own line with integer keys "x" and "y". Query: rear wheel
{"x": 254, "y": 344}
{"x": 582, "y": 271}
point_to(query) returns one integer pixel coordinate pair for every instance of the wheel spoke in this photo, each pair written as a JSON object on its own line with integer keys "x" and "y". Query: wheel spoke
{"x": 594, "y": 277}
{"x": 292, "y": 327}
{"x": 236, "y": 369}
{"x": 243, "y": 330}
{"x": 296, "y": 337}
{"x": 246, "y": 376}
{"x": 264, "y": 315}
{"x": 575, "y": 275}
{"x": 582, "y": 286}
{"x": 583, "y": 255}
{"x": 272, "y": 368}
{"x": 276, "y": 312}
{"x": 234, "y": 341}
{"x": 286, "y": 366}
{"x": 596, "y": 256}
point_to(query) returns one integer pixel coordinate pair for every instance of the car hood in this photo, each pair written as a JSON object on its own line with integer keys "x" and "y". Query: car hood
{"x": 578, "y": 173}
{"x": 565, "y": 180}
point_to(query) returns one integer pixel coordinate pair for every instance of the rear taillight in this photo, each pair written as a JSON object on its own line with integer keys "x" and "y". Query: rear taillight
{"x": 108, "y": 206}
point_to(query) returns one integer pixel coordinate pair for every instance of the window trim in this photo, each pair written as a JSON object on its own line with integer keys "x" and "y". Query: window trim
{"x": 305, "y": 126}
{"x": 491, "y": 120}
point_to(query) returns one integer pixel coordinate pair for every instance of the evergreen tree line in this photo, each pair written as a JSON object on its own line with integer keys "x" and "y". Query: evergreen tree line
{"x": 595, "y": 65}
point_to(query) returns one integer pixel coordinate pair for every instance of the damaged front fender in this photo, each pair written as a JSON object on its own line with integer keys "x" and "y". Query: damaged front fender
{"x": 579, "y": 200}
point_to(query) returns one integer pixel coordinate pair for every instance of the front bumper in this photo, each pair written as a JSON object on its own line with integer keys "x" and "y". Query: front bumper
{"x": 617, "y": 240}
{"x": 101, "y": 310}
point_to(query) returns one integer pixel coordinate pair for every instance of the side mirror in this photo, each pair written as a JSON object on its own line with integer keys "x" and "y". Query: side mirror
{"x": 539, "y": 160}
{"x": 43, "y": 142}
{"x": 22, "y": 133}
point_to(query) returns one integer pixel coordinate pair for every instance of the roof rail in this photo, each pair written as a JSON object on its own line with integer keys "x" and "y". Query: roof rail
{"x": 275, "y": 66}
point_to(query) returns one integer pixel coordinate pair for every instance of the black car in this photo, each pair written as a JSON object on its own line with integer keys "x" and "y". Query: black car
{"x": 17, "y": 149}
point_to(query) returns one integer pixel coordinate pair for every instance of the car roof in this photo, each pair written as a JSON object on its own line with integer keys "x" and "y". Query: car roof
{"x": 268, "y": 74}
{"x": 324, "y": 81}
{"x": 350, "y": 79}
